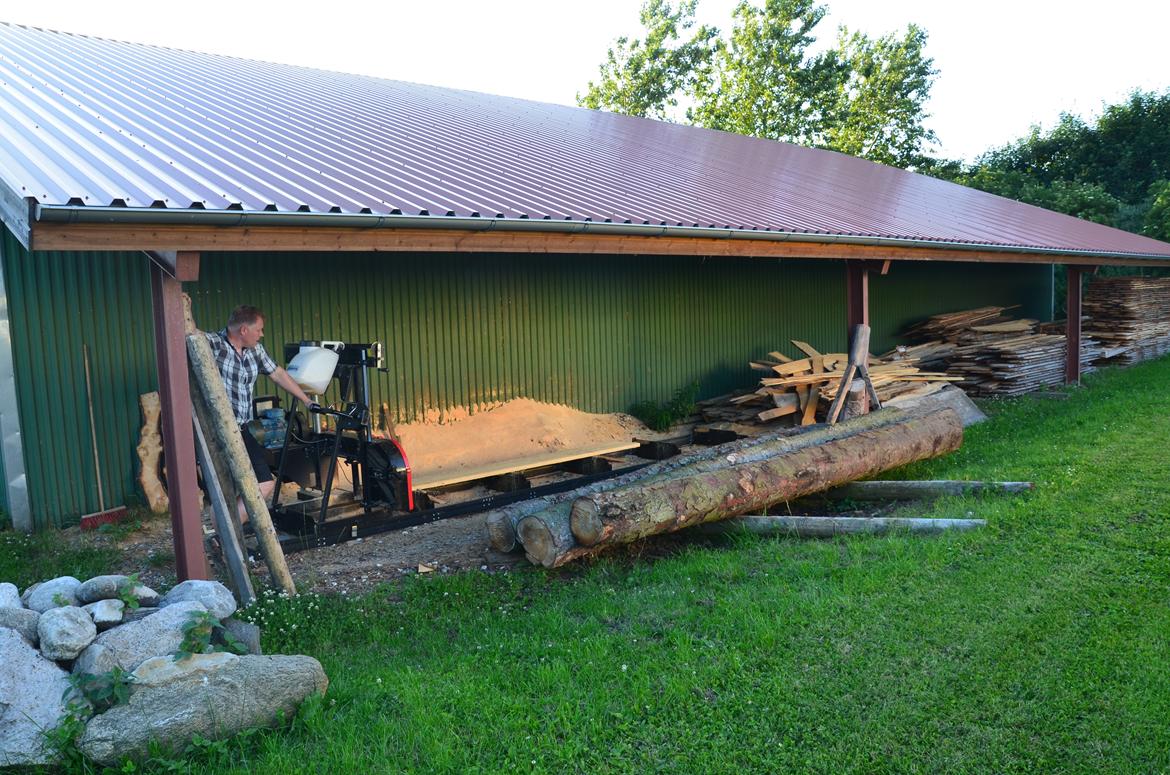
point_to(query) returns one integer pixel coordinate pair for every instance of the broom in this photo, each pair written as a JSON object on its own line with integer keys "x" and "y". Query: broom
{"x": 102, "y": 516}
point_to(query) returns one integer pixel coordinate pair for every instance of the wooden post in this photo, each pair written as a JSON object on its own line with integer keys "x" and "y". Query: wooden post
{"x": 175, "y": 396}
{"x": 856, "y": 295}
{"x": 1072, "y": 357}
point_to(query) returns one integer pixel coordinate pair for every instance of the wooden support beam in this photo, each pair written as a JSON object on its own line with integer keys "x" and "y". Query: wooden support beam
{"x": 856, "y": 295}
{"x": 1072, "y": 357}
{"x": 178, "y": 438}
{"x": 171, "y": 237}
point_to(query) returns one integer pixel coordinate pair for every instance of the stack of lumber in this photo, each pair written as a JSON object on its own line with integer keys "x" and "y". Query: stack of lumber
{"x": 1014, "y": 365}
{"x": 950, "y": 325}
{"x": 804, "y": 388}
{"x": 1130, "y": 316}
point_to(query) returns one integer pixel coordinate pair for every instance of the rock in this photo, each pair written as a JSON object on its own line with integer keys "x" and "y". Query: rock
{"x": 132, "y": 644}
{"x": 10, "y": 596}
{"x": 102, "y": 588}
{"x": 212, "y": 594}
{"x": 105, "y": 613}
{"x": 159, "y": 671}
{"x": 51, "y": 593}
{"x": 252, "y": 691}
{"x": 24, "y": 595}
{"x": 23, "y": 620}
{"x": 65, "y": 632}
{"x": 136, "y": 614}
{"x": 145, "y": 595}
{"x": 31, "y": 688}
{"x": 244, "y": 632}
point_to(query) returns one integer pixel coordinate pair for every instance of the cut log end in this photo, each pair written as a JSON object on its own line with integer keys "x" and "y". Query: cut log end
{"x": 538, "y": 540}
{"x": 585, "y": 522}
{"x": 501, "y": 533}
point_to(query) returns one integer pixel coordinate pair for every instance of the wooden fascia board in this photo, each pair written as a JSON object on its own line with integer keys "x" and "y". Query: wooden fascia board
{"x": 104, "y": 237}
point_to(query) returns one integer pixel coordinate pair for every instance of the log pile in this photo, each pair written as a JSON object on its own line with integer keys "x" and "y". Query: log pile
{"x": 1130, "y": 316}
{"x": 803, "y": 389}
{"x": 722, "y": 485}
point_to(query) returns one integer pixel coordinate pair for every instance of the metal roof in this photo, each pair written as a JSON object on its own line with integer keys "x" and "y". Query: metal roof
{"x": 88, "y": 122}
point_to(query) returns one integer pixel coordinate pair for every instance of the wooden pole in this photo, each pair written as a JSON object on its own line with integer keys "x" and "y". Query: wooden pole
{"x": 856, "y": 295}
{"x": 827, "y": 527}
{"x": 916, "y": 490}
{"x": 1072, "y": 355}
{"x": 223, "y": 511}
{"x": 178, "y": 440}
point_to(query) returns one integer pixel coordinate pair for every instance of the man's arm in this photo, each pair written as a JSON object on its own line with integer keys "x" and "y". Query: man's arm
{"x": 282, "y": 378}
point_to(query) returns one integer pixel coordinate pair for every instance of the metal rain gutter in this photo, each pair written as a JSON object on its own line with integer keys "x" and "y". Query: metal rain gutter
{"x": 240, "y": 218}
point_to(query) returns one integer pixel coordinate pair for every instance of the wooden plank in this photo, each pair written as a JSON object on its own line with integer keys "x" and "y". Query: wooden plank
{"x": 806, "y": 348}
{"x": 780, "y": 411}
{"x": 440, "y": 478}
{"x": 810, "y": 408}
{"x": 105, "y": 236}
{"x": 779, "y": 356}
{"x": 793, "y": 367}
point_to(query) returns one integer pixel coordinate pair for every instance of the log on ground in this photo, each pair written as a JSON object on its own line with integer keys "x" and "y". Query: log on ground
{"x": 632, "y": 512}
{"x": 827, "y": 527}
{"x": 502, "y": 523}
{"x": 917, "y": 490}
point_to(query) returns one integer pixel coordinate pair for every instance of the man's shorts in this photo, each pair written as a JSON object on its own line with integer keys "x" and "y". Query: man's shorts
{"x": 256, "y": 455}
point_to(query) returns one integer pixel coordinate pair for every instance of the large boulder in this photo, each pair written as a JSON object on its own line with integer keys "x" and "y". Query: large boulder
{"x": 158, "y": 671}
{"x": 10, "y": 596}
{"x": 111, "y": 586}
{"x": 215, "y": 596}
{"x": 131, "y": 644}
{"x": 251, "y": 691}
{"x": 53, "y": 594}
{"x": 31, "y": 691}
{"x": 23, "y": 620}
{"x": 105, "y": 613}
{"x": 65, "y": 632}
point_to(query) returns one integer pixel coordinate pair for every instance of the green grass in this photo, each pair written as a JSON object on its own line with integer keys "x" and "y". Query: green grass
{"x": 1040, "y": 644}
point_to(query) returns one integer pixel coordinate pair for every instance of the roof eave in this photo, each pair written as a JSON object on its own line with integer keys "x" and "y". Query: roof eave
{"x": 229, "y": 219}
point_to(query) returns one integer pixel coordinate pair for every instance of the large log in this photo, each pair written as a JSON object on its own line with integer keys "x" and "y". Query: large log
{"x": 149, "y": 451}
{"x": 223, "y": 512}
{"x": 827, "y": 527}
{"x": 502, "y": 523}
{"x": 217, "y": 419}
{"x": 632, "y": 512}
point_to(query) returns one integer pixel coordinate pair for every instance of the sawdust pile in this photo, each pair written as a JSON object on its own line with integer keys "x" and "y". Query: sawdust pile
{"x": 518, "y": 428}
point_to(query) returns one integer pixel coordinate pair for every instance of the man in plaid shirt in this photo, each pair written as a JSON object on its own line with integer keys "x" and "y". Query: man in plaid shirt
{"x": 241, "y": 358}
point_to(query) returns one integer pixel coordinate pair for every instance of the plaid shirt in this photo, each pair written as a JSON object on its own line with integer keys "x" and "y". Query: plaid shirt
{"x": 239, "y": 371}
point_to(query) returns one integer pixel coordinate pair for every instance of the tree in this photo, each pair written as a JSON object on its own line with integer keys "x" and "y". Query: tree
{"x": 1157, "y": 220}
{"x": 864, "y": 97}
{"x": 644, "y": 77}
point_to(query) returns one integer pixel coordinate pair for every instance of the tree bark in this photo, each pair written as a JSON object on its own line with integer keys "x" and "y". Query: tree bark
{"x": 632, "y": 512}
{"x": 149, "y": 451}
{"x": 215, "y": 415}
{"x": 502, "y": 522}
{"x": 907, "y": 490}
{"x": 827, "y": 527}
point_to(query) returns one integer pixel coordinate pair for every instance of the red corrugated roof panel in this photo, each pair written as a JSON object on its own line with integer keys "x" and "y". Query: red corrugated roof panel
{"x": 112, "y": 123}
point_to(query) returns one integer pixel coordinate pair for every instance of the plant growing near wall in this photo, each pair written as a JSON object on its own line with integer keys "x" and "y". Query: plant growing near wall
{"x": 659, "y": 417}
{"x": 198, "y": 634}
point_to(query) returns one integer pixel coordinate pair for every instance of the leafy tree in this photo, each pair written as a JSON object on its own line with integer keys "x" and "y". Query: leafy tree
{"x": 644, "y": 77}
{"x": 1157, "y": 221}
{"x": 863, "y": 96}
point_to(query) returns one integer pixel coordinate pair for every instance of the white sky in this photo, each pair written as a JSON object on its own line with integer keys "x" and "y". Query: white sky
{"x": 1003, "y": 65}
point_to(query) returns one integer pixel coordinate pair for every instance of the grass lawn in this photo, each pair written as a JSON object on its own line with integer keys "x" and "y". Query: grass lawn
{"x": 1040, "y": 644}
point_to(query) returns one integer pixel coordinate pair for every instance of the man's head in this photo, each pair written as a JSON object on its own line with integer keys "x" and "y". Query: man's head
{"x": 246, "y": 323}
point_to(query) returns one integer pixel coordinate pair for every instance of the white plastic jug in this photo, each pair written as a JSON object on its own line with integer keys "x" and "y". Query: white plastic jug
{"x": 312, "y": 368}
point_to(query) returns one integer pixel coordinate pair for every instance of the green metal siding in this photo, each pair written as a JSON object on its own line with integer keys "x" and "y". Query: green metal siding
{"x": 57, "y": 303}
{"x": 595, "y": 332}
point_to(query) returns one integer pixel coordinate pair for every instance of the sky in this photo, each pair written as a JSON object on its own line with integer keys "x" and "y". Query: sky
{"x": 1003, "y": 66}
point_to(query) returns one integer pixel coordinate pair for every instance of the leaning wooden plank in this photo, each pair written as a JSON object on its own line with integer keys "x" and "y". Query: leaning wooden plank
{"x": 502, "y": 522}
{"x": 211, "y": 404}
{"x": 915, "y": 490}
{"x": 776, "y": 355}
{"x": 633, "y": 512}
{"x": 223, "y": 511}
{"x": 780, "y": 411}
{"x": 827, "y": 527}
{"x": 793, "y": 367}
{"x": 806, "y": 348}
{"x": 427, "y": 481}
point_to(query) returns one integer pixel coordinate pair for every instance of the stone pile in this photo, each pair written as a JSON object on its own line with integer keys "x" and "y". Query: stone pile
{"x": 65, "y": 626}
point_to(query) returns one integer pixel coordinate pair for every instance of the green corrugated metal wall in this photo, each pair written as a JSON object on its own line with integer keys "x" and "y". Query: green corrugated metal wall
{"x": 596, "y": 332}
{"x": 58, "y": 302}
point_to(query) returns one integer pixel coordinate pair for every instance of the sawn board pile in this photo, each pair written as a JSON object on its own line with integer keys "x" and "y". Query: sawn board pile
{"x": 992, "y": 353}
{"x": 1130, "y": 316}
